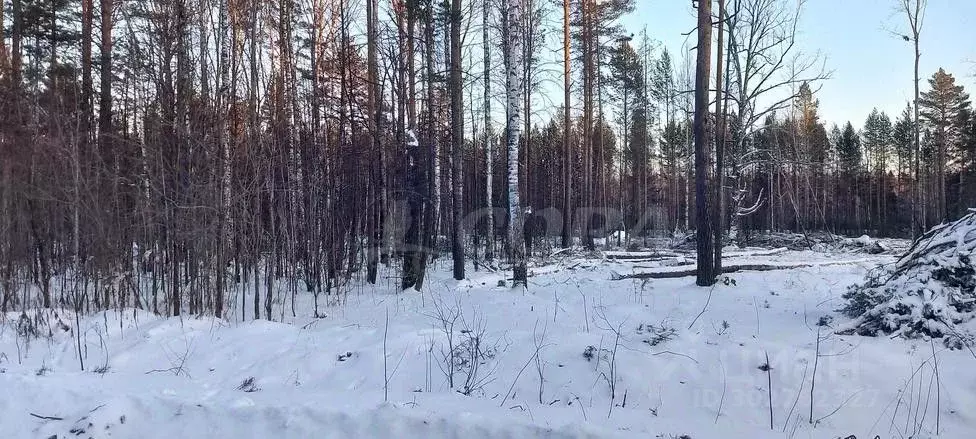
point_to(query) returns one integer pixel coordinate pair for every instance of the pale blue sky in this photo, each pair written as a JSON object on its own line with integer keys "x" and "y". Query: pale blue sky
{"x": 871, "y": 68}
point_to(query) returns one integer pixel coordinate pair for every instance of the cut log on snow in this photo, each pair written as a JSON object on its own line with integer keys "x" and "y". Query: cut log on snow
{"x": 754, "y": 252}
{"x": 732, "y": 268}
{"x": 650, "y": 255}
{"x": 643, "y": 260}
{"x": 928, "y": 292}
{"x": 674, "y": 262}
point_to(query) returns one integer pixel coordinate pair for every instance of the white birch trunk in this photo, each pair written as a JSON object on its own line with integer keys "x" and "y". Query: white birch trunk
{"x": 513, "y": 83}
{"x": 489, "y": 172}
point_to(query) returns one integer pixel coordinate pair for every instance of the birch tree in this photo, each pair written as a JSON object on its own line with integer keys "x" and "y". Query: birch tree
{"x": 513, "y": 90}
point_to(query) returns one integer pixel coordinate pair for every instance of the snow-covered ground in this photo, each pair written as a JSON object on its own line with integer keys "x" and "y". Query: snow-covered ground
{"x": 576, "y": 355}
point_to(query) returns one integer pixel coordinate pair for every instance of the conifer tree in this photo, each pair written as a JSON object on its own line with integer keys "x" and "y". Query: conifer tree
{"x": 941, "y": 108}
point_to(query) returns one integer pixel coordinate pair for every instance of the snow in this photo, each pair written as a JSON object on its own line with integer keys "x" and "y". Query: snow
{"x": 927, "y": 292}
{"x": 686, "y": 362}
{"x": 863, "y": 240}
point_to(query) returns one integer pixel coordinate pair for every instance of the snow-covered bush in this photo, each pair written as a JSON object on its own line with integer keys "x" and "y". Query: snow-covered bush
{"x": 927, "y": 292}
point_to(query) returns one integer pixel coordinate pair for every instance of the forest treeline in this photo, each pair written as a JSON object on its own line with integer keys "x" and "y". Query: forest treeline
{"x": 174, "y": 154}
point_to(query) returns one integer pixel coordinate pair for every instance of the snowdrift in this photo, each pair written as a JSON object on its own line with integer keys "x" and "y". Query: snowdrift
{"x": 929, "y": 291}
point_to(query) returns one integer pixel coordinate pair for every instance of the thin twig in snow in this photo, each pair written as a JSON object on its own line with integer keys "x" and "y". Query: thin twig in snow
{"x": 813, "y": 380}
{"x": 709, "y": 299}
{"x": 386, "y": 376}
{"x": 510, "y": 388}
{"x": 798, "y": 392}
{"x": 769, "y": 380}
{"x": 47, "y": 418}
{"x": 725, "y": 386}
{"x": 849, "y": 398}
{"x": 938, "y": 391}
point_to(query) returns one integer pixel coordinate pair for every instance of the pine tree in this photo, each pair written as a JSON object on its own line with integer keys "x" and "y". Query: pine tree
{"x": 849, "y": 150}
{"x": 941, "y": 108}
{"x": 663, "y": 84}
{"x": 706, "y": 263}
{"x": 903, "y": 140}
{"x": 850, "y": 158}
{"x": 674, "y": 149}
{"x": 967, "y": 161}
{"x": 627, "y": 73}
{"x": 877, "y": 137}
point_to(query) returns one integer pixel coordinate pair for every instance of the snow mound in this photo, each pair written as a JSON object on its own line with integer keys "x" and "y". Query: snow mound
{"x": 929, "y": 291}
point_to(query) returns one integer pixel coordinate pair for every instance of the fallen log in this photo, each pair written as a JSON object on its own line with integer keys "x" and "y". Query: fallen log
{"x": 638, "y": 261}
{"x": 671, "y": 263}
{"x": 733, "y": 268}
{"x": 755, "y": 252}
{"x": 619, "y": 255}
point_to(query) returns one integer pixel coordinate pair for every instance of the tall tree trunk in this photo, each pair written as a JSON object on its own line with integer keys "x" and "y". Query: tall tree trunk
{"x": 254, "y": 142}
{"x": 376, "y": 186}
{"x": 706, "y": 261}
{"x": 457, "y": 139}
{"x": 434, "y": 139}
{"x": 718, "y": 212}
{"x": 419, "y": 234}
{"x": 601, "y": 164}
{"x": 513, "y": 86}
{"x": 430, "y": 185}
{"x": 87, "y": 18}
{"x": 919, "y": 223}
{"x": 587, "y": 190}
{"x": 567, "y": 128}
{"x": 105, "y": 129}
{"x": 487, "y": 140}
{"x": 16, "y": 42}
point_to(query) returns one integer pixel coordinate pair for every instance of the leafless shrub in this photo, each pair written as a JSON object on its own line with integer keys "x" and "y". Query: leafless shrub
{"x": 446, "y": 318}
{"x": 465, "y": 350}
{"x": 177, "y": 361}
{"x": 474, "y": 353}
{"x": 610, "y": 375}
{"x": 539, "y": 345}
{"x": 539, "y": 341}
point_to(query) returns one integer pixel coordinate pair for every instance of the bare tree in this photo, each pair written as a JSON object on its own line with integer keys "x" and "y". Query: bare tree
{"x": 914, "y": 11}
{"x": 766, "y": 70}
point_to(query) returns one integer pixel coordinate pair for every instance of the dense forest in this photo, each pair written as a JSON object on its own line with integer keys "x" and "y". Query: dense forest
{"x": 169, "y": 154}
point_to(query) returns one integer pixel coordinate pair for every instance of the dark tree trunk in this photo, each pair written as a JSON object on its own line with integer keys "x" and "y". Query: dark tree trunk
{"x": 376, "y": 174}
{"x": 718, "y": 210}
{"x": 457, "y": 139}
{"x": 567, "y": 125}
{"x": 706, "y": 261}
